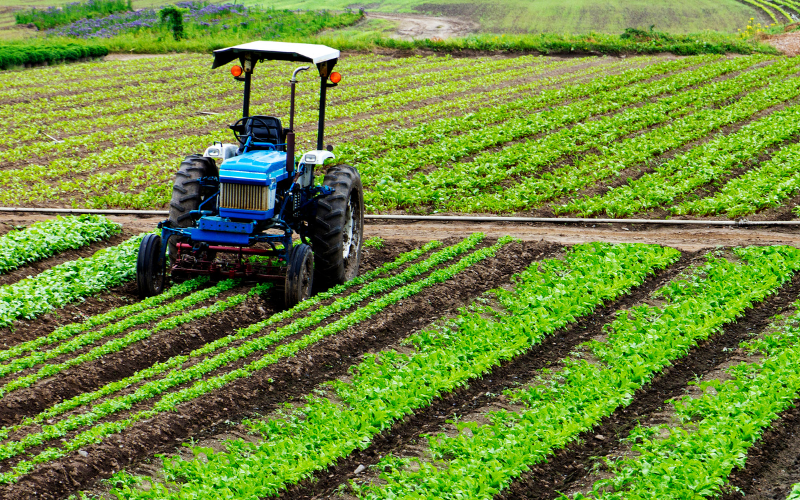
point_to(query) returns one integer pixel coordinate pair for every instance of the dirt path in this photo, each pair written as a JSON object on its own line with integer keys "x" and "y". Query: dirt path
{"x": 417, "y": 27}
{"x": 689, "y": 239}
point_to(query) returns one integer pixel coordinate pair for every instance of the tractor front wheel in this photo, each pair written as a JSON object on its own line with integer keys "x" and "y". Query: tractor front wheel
{"x": 187, "y": 195}
{"x": 338, "y": 228}
{"x": 150, "y": 267}
{"x": 299, "y": 275}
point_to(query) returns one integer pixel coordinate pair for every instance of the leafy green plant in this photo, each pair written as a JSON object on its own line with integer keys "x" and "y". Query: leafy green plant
{"x": 47, "y": 238}
{"x": 640, "y": 343}
{"x": 375, "y": 242}
{"x": 387, "y": 386}
{"x": 68, "y": 282}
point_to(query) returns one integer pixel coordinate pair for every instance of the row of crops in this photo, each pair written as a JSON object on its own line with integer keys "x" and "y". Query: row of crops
{"x": 392, "y": 353}
{"x": 778, "y": 11}
{"x": 581, "y": 136}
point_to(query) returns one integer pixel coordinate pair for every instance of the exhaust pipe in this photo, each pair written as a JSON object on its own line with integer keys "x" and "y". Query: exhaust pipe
{"x": 290, "y": 132}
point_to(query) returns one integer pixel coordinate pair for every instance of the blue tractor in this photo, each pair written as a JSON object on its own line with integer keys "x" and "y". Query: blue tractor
{"x": 236, "y": 208}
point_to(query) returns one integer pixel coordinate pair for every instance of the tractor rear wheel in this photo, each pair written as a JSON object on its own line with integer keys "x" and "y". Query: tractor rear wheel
{"x": 150, "y": 267}
{"x": 338, "y": 228}
{"x": 187, "y": 195}
{"x": 299, "y": 275}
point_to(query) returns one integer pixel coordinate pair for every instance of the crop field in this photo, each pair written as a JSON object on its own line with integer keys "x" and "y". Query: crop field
{"x": 461, "y": 368}
{"x": 701, "y": 136}
{"x": 471, "y": 366}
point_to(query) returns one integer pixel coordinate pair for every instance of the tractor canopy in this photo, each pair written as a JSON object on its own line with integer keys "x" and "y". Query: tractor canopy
{"x": 322, "y": 56}
{"x": 277, "y": 51}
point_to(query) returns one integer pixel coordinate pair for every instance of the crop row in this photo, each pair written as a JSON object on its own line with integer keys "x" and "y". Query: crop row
{"x": 208, "y": 365}
{"x": 441, "y": 131}
{"x": 120, "y": 343}
{"x": 68, "y": 282}
{"x": 390, "y": 385}
{"x": 487, "y": 170}
{"x": 116, "y": 344}
{"x": 186, "y": 100}
{"x": 14, "y": 448}
{"x": 482, "y": 459}
{"x": 705, "y": 163}
{"x": 397, "y": 164}
{"x": 344, "y": 104}
{"x": 143, "y": 186}
{"x": 150, "y": 128}
{"x": 47, "y": 238}
{"x": 162, "y": 151}
{"x": 768, "y": 184}
{"x": 177, "y": 361}
{"x": 53, "y": 82}
{"x": 163, "y": 89}
{"x": 534, "y": 190}
{"x": 694, "y": 458}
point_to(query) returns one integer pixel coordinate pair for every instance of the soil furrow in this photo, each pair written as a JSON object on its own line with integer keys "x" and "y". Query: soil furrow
{"x": 479, "y": 392}
{"x": 567, "y": 467}
{"x": 158, "y": 348}
{"x": 286, "y": 380}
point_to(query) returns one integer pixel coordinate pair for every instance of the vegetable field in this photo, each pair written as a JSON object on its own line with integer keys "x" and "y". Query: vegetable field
{"x": 465, "y": 367}
{"x": 654, "y": 136}
{"x": 462, "y": 368}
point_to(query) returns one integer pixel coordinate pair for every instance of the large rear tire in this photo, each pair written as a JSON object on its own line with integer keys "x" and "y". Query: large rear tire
{"x": 187, "y": 195}
{"x": 150, "y": 267}
{"x": 299, "y": 275}
{"x": 338, "y": 228}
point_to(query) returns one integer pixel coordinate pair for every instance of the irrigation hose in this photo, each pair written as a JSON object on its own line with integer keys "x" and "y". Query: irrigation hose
{"x": 450, "y": 218}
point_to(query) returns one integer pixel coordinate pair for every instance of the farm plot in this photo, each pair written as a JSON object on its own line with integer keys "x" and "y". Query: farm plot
{"x": 532, "y": 135}
{"x": 551, "y": 368}
{"x": 519, "y": 351}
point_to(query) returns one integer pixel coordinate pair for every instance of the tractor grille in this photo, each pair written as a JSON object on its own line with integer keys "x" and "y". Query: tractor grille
{"x": 244, "y": 197}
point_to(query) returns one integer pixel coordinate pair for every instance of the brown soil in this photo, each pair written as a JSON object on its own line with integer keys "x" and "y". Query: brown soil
{"x": 479, "y": 392}
{"x": 418, "y": 27}
{"x": 327, "y": 359}
{"x": 570, "y": 465}
{"x": 787, "y": 43}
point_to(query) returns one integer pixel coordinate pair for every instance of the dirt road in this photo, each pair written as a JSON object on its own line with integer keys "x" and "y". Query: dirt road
{"x": 417, "y": 27}
{"x": 682, "y": 238}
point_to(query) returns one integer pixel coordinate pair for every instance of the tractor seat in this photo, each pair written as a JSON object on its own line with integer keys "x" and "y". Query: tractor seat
{"x": 267, "y": 133}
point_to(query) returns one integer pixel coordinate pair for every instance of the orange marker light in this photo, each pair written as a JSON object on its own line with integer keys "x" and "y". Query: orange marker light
{"x": 236, "y": 71}
{"x": 336, "y": 77}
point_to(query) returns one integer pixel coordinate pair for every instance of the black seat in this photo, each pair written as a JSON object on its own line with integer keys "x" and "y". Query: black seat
{"x": 265, "y": 130}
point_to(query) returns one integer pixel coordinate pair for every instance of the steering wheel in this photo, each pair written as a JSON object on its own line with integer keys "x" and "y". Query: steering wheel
{"x": 241, "y": 126}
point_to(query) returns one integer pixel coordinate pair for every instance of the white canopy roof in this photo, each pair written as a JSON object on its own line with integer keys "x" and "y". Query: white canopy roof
{"x": 277, "y": 51}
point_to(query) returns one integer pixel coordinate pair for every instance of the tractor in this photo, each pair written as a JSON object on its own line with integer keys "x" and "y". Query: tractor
{"x": 236, "y": 208}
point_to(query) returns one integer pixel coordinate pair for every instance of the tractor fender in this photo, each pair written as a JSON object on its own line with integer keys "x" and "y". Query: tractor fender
{"x": 311, "y": 159}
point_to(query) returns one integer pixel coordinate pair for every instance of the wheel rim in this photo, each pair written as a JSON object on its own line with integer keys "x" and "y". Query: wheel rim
{"x": 350, "y": 230}
{"x": 347, "y": 230}
{"x": 158, "y": 272}
{"x": 305, "y": 277}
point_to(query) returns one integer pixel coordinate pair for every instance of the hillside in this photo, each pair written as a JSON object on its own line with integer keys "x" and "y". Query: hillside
{"x": 565, "y": 16}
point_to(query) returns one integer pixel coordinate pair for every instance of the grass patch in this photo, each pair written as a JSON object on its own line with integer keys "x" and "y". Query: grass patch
{"x": 565, "y": 16}
{"x": 71, "y": 12}
{"x": 39, "y": 51}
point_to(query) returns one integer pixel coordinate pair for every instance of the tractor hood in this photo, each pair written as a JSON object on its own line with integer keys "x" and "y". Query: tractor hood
{"x": 248, "y": 184}
{"x": 261, "y": 168}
